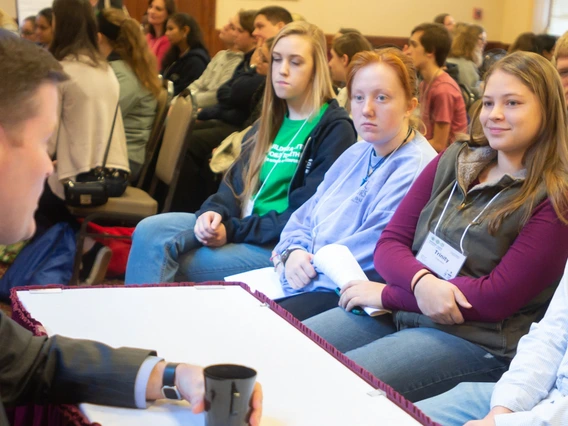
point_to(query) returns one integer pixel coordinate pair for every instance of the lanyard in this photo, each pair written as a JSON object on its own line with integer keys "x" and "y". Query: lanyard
{"x": 371, "y": 169}
{"x": 474, "y": 220}
{"x": 322, "y": 201}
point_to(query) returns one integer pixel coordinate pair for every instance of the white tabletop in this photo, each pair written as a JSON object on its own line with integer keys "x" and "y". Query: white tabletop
{"x": 302, "y": 383}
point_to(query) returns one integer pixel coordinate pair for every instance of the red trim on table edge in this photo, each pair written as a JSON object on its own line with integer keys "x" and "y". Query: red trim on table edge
{"x": 76, "y": 417}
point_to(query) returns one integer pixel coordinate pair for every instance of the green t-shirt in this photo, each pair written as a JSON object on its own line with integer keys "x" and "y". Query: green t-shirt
{"x": 281, "y": 162}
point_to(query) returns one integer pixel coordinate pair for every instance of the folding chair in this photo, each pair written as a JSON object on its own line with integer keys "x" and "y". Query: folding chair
{"x": 155, "y": 137}
{"x": 136, "y": 204}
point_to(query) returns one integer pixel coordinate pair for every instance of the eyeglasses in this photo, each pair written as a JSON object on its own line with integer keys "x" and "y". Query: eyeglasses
{"x": 27, "y": 33}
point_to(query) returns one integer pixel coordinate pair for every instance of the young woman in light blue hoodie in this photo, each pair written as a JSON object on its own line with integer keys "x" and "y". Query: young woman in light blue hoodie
{"x": 363, "y": 188}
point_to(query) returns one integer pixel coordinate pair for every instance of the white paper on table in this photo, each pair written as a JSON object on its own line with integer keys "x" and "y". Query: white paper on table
{"x": 264, "y": 280}
{"x": 338, "y": 263}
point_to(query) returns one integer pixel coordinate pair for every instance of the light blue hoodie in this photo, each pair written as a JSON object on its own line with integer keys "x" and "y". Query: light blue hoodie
{"x": 343, "y": 211}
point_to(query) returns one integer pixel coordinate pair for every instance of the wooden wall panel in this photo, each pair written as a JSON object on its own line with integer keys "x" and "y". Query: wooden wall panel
{"x": 202, "y": 10}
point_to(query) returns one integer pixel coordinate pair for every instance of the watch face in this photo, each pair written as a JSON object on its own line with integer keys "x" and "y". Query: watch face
{"x": 171, "y": 392}
{"x": 285, "y": 255}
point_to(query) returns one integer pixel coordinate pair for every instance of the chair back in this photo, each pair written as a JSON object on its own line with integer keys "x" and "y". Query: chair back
{"x": 155, "y": 135}
{"x": 174, "y": 143}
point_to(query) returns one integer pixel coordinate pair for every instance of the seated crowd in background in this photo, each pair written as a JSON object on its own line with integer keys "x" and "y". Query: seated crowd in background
{"x": 235, "y": 104}
{"x": 491, "y": 206}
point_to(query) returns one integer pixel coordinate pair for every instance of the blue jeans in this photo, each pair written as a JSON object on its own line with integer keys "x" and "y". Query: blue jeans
{"x": 465, "y": 402}
{"x": 417, "y": 362}
{"x": 164, "y": 249}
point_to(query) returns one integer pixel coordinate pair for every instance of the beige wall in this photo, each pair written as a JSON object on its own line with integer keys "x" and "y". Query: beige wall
{"x": 8, "y": 6}
{"x": 517, "y": 18}
{"x": 503, "y": 19}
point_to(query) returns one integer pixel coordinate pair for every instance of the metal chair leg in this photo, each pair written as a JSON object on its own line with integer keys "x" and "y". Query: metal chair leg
{"x": 78, "y": 254}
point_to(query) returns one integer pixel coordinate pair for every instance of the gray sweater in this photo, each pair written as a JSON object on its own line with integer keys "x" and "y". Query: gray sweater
{"x": 468, "y": 76}
{"x": 219, "y": 70}
{"x": 138, "y": 107}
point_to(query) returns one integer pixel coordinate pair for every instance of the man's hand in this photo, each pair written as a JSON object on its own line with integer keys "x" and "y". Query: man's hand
{"x": 191, "y": 385}
{"x": 255, "y": 58}
{"x": 189, "y": 381}
{"x": 439, "y": 300}
{"x": 255, "y": 405}
{"x": 361, "y": 293}
{"x": 299, "y": 269}
{"x": 209, "y": 230}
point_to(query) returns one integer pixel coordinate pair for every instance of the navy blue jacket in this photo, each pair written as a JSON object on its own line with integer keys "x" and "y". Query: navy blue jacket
{"x": 187, "y": 69}
{"x": 234, "y": 97}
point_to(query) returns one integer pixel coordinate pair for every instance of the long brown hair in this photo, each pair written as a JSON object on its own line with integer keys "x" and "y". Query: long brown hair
{"x": 274, "y": 109}
{"x": 132, "y": 47}
{"x": 75, "y": 31}
{"x": 466, "y": 44}
{"x": 171, "y": 8}
{"x": 546, "y": 160}
{"x": 194, "y": 38}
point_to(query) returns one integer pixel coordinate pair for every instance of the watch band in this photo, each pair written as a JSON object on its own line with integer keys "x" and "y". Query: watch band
{"x": 286, "y": 254}
{"x": 169, "y": 389}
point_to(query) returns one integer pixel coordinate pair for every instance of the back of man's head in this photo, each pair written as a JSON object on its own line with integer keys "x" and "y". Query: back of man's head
{"x": 435, "y": 39}
{"x": 350, "y": 44}
{"x": 547, "y": 40}
{"x": 23, "y": 69}
{"x": 276, "y": 14}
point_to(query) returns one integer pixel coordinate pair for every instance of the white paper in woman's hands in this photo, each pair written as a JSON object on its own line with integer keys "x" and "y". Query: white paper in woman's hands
{"x": 338, "y": 263}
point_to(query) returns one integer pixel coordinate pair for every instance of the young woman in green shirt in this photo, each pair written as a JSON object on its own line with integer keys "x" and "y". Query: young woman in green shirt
{"x": 301, "y": 132}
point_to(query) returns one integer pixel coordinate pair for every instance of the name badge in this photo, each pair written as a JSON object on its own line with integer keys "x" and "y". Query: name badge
{"x": 440, "y": 257}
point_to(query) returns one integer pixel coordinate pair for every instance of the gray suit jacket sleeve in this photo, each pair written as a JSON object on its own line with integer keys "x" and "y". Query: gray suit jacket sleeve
{"x": 63, "y": 370}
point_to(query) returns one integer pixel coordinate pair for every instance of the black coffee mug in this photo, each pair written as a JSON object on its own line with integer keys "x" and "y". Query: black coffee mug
{"x": 228, "y": 389}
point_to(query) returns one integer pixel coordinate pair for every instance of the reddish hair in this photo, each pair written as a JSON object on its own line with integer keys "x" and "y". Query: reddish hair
{"x": 399, "y": 62}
